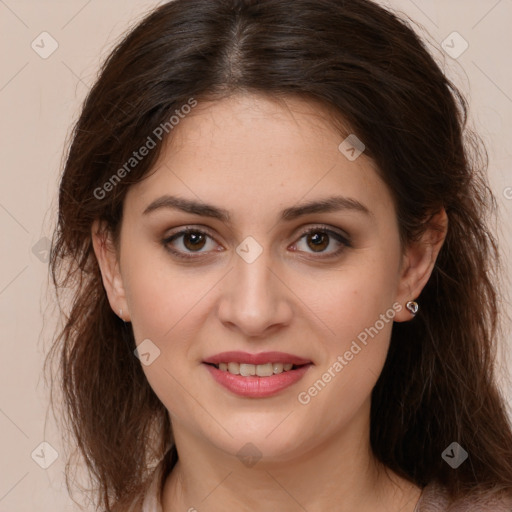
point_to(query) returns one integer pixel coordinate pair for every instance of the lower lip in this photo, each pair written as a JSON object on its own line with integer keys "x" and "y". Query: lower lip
{"x": 257, "y": 387}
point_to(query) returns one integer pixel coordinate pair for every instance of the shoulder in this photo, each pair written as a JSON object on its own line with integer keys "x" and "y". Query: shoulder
{"x": 435, "y": 498}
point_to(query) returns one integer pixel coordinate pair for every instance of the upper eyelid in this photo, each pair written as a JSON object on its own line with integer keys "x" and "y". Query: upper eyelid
{"x": 320, "y": 227}
{"x": 301, "y": 231}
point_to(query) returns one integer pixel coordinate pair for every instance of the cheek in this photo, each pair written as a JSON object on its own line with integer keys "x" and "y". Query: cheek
{"x": 358, "y": 309}
{"x": 160, "y": 295}
{"x": 344, "y": 380}
{"x": 168, "y": 306}
{"x": 356, "y": 297}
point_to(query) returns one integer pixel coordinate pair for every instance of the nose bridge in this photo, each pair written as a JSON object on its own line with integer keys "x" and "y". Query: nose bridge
{"x": 254, "y": 299}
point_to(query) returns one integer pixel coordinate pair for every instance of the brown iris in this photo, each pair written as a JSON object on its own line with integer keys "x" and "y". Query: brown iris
{"x": 319, "y": 240}
{"x": 194, "y": 241}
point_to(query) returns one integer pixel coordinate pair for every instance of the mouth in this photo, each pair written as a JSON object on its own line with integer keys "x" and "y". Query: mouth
{"x": 256, "y": 375}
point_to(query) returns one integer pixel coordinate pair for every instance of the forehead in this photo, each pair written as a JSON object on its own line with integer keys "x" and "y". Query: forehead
{"x": 248, "y": 151}
{"x": 243, "y": 125}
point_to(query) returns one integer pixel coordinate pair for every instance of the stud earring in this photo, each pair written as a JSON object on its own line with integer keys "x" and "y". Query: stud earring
{"x": 412, "y": 307}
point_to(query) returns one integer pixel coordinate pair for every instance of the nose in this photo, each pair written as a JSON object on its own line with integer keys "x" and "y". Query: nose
{"x": 254, "y": 298}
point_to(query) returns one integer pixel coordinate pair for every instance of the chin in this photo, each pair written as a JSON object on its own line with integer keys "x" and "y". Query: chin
{"x": 270, "y": 440}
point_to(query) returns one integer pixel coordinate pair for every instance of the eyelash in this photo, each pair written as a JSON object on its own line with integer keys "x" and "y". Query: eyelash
{"x": 342, "y": 239}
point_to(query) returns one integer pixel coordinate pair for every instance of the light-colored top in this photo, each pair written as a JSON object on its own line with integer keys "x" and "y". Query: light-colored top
{"x": 152, "y": 501}
{"x": 434, "y": 498}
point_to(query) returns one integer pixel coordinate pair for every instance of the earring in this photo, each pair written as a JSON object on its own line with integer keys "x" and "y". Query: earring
{"x": 412, "y": 307}
{"x": 121, "y": 315}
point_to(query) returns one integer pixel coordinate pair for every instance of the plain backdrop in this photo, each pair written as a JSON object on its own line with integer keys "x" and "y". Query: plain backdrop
{"x": 50, "y": 53}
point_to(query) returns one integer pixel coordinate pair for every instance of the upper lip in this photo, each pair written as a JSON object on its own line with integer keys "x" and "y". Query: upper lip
{"x": 260, "y": 358}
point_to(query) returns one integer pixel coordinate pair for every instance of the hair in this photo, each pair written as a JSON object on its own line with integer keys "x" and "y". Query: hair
{"x": 369, "y": 68}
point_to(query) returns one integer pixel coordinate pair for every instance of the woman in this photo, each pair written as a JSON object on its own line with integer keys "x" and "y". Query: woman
{"x": 274, "y": 228}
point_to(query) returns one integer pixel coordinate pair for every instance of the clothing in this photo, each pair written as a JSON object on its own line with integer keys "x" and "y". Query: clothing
{"x": 434, "y": 498}
{"x": 152, "y": 499}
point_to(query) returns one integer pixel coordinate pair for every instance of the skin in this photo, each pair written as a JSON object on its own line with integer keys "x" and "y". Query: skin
{"x": 255, "y": 156}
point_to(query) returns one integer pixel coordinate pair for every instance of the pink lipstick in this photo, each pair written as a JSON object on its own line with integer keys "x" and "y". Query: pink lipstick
{"x": 256, "y": 375}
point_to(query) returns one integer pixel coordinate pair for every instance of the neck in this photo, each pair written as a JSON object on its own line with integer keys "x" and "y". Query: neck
{"x": 339, "y": 473}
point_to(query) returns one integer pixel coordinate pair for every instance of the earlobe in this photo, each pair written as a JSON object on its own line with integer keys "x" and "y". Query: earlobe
{"x": 418, "y": 263}
{"x": 108, "y": 262}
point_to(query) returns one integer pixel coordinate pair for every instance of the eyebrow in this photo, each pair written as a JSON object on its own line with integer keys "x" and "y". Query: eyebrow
{"x": 326, "y": 205}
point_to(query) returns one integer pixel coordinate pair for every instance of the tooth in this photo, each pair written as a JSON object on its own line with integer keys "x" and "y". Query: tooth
{"x": 234, "y": 368}
{"x": 247, "y": 369}
{"x": 261, "y": 370}
{"x": 264, "y": 370}
{"x": 277, "y": 367}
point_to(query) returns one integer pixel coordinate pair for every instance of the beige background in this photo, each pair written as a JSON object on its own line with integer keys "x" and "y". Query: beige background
{"x": 39, "y": 100}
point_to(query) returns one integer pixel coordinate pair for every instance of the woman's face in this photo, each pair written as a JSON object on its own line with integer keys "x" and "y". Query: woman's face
{"x": 248, "y": 278}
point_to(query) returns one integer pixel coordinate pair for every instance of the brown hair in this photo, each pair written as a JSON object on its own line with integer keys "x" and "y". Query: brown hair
{"x": 370, "y": 69}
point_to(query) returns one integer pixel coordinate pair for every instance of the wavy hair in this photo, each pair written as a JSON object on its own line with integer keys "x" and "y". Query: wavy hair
{"x": 373, "y": 72}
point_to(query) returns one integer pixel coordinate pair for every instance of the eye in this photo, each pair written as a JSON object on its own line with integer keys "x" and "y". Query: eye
{"x": 189, "y": 241}
{"x": 319, "y": 239}
{"x": 192, "y": 242}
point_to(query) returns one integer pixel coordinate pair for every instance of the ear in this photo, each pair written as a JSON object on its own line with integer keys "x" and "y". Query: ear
{"x": 418, "y": 263}
{"x": 108, "y": 261}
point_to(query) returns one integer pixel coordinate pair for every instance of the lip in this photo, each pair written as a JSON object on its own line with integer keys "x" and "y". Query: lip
{"x": 257, "y": 387}
{"x": 261, "y": 358}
